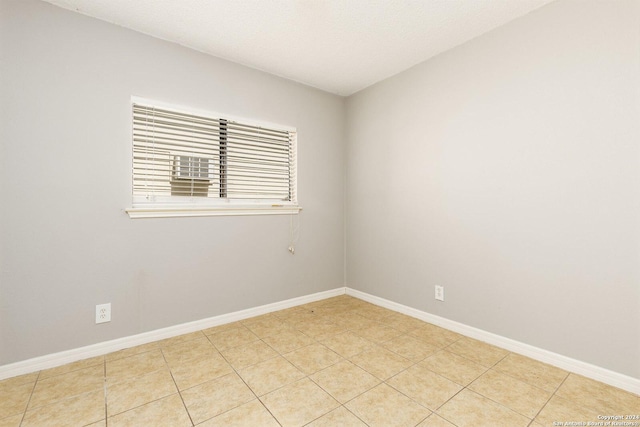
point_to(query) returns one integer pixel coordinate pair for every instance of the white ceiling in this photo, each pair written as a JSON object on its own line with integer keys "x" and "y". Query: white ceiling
{"x": 340, "y": 46}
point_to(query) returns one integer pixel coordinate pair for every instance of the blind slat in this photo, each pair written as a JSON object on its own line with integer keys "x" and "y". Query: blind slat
{"x": 149, "y": 113}
{"x": 182, "y": 154}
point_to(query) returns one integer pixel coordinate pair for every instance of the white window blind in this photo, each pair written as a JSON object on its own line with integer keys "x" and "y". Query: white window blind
{"x": 181, "y": 158}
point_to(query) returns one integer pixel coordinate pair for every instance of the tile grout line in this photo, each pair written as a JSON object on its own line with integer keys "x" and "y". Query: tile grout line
{"x": 143, "y": 375}
{"x": 437, "y": 373}
{"x": 530, "y": 385}
{"x": 550, "y": 397}
{"x": 328, "y": 315}
{"x": 498, "y": 403}
{"x": 26, "y": 408}
{"x": 140, "y": 376}
{"x": 106, "y": 396}
{"x": 517, "y": 379}
{"x": 307, "y": 376}
{"x": 576, "y": 402}
{"x": 343, "y": 358}
{"x": 244, "y": 382}
{"x": 176, "y": 384}
{"x": 382, "y": 381}
{"x": 486, "y": 397}
{"x": 498, "y": 370}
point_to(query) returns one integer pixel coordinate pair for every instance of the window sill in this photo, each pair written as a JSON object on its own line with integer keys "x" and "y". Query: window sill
{"x": 170, "y": 212}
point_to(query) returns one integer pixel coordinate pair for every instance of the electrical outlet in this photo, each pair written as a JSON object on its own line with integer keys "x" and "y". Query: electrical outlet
{"x": 103, "y": 313}
{"x": 440, "y": 293}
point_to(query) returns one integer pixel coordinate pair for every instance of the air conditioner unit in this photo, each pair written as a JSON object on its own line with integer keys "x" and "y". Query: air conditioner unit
{"x": 191, "y": 168}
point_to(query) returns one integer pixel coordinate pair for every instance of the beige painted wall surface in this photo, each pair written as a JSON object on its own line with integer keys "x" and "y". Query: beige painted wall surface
{"x": 66, "y": 243}
{"x": 508, "y": 171}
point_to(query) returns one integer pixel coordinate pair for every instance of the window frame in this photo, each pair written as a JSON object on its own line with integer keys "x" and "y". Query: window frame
{"x": 155, "y": 206}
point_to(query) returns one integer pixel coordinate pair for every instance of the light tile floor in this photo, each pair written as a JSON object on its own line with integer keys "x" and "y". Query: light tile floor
{"x": 336, "y": 362}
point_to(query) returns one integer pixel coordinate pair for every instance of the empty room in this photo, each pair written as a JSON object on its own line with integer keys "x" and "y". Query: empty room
{"x": 319, "y": 213}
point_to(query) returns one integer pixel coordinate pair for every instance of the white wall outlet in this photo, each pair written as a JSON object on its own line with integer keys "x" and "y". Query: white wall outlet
{"x": 103, "y": 313}
{"x": 440, "y": 293}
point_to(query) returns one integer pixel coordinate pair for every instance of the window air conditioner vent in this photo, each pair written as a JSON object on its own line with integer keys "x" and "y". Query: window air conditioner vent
{"x": 191, "y": 168}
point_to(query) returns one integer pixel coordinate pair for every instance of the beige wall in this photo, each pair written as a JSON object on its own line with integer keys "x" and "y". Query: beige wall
{"x": 66, "y": 243}
{"x": 507, "y": 170}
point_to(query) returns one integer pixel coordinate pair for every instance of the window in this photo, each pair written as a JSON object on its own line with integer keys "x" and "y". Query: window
{"x": 189, "y": 163}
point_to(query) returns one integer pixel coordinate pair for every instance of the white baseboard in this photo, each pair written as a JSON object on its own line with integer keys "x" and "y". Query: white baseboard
{"x": 563, "y": 362}
{"x": 99, "y": 349}
{"x": 572, "y": 365}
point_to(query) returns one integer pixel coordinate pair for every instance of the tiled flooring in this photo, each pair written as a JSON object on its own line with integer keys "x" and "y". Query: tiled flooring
{"x": 336, "y": 362}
